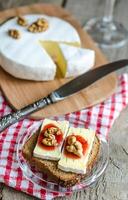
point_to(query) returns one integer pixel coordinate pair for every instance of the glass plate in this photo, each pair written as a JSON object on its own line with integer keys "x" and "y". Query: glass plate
{"x": 41, "y": 178}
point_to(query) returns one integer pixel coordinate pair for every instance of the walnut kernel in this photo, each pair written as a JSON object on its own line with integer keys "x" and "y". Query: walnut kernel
{"x": 40, "y": 25}
{"x": 14, "y": 33}
{"x": 74, "y": 146}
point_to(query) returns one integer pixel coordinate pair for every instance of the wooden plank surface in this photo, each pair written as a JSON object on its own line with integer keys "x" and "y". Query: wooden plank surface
{"x": 114, "y": 184}
{"x": 20, "y": 93}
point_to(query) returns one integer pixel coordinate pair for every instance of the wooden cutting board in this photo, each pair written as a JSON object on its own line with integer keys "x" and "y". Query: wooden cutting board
{"x": 19, "y": 92}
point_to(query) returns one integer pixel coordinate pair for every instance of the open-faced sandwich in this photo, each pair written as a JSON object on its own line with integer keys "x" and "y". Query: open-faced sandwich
{"x": 66, "y": 154}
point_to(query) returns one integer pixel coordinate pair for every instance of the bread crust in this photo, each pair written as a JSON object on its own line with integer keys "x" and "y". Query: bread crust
{"x": 65, "y": 179}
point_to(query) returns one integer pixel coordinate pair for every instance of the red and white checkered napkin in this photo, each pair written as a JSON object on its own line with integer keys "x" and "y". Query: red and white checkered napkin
{"x": 100, "y": 118}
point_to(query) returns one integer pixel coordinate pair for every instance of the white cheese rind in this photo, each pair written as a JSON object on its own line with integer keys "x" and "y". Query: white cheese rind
{"x": 77, "y": 165}
{"x": 79, "y": 60}
{"x": 25, "y": 58}
{"x": 56, "y": 153}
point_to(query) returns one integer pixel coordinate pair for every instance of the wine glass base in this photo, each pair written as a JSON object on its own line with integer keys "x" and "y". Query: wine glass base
{"x": 107, "y": 34}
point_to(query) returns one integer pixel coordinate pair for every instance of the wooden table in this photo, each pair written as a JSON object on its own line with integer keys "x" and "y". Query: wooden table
{"x": 114, "y": 184}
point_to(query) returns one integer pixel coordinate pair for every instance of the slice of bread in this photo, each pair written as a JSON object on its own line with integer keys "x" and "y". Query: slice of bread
{"x": 65, "y": 179}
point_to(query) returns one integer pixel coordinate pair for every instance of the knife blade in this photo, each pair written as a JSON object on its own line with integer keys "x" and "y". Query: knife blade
{"x": 63, "y": 92}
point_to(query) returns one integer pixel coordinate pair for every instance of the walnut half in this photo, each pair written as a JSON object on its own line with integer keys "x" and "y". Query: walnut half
{"x": 40, "y": 25}
{"x": 49, "y": 137}
{"x": 74, "y": 146}
{"x": 14, "y": 33}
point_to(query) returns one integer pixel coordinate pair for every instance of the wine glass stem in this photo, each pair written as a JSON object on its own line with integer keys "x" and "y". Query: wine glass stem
{"x": 108, "y": 13}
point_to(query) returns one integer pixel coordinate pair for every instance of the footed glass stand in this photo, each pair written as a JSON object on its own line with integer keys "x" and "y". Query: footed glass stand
{"x": 107, "y": 34}
{"x": 105, "y": 31}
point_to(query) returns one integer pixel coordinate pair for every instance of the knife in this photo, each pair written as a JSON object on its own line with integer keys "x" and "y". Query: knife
{"x": 63, "y": 92}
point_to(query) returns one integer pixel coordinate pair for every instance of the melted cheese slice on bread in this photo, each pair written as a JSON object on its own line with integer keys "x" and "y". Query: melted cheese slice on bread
{"x": 77, "y": 165}
{"x": 47, "y": 152}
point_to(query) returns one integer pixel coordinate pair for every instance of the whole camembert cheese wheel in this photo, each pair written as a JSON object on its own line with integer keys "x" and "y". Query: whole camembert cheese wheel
{"x": 44, "y": 55}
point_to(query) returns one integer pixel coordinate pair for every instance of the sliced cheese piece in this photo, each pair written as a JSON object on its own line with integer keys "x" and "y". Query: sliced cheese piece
{"x": 79, "y": 60}
{"x": 77, "y": 165}
{"x": 25, "y": 58}
{"x": 45, "y": 152}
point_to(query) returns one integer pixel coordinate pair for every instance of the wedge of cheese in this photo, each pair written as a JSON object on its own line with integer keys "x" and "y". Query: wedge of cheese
{"x": 79, "y": 164}
{"x": 78, "y": 60}
{"x": 48, "y": 152}
{"x": 71, "y": 60}
{"x": 45, "y": 55}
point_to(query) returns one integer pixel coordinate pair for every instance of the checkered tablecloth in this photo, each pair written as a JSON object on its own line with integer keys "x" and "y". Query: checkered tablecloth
{"x": 100, "y": 118}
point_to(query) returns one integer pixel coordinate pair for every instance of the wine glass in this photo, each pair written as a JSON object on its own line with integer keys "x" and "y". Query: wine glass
{"x": 105, "y": 31}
